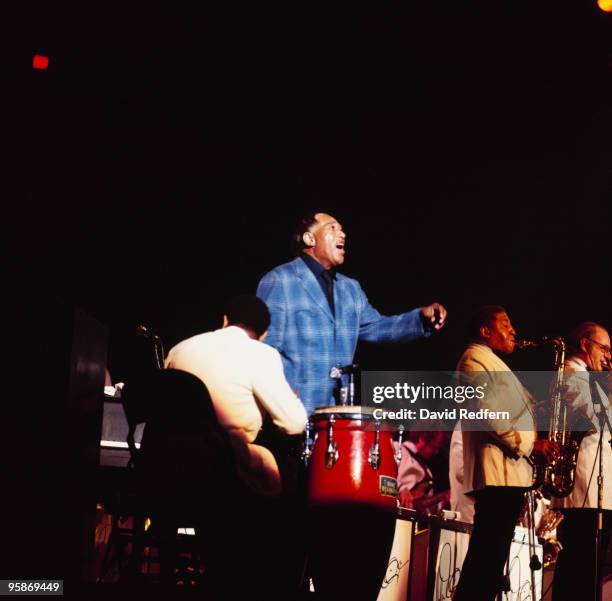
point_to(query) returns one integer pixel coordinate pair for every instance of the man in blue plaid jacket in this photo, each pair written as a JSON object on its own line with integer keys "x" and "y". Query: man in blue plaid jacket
{"x": 318, "y": 315}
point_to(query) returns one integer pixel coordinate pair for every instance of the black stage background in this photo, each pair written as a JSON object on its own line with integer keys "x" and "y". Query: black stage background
{"x": 159, "y": 163}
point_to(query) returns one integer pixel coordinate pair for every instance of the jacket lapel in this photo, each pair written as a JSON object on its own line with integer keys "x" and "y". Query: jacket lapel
{"x": 488, "y": 357}
{"x": 521, "y": 391}
{"x": 313, "y": 288}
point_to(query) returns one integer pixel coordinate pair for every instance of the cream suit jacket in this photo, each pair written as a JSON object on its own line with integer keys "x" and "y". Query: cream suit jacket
{"x": 495, "y": 450}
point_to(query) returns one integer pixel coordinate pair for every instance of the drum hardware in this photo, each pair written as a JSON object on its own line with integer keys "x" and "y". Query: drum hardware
{"x": 361, "y": 452}
{"x": 331, "y": 455}
{"x": 351, "y": 508}
{"x": 374, "y": 454}
{"x": 307, "y": 444}
{"x": 400, "y": 437}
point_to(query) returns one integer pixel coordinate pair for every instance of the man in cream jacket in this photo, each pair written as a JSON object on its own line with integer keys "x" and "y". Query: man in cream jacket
{"x": 495, "y": 452}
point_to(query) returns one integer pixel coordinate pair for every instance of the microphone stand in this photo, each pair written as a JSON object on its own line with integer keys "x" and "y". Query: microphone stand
{"x": 158, "y": 347}
{"x": 603, "y": 422}
{"x": 346, "y": 396}
{"x": 534, "y": 561}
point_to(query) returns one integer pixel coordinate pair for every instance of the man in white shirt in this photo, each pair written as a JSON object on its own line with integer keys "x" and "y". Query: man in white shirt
{"x": 248, "y": 388}
{"x": 588, "y": 353}
{"x": 246, "y": 383}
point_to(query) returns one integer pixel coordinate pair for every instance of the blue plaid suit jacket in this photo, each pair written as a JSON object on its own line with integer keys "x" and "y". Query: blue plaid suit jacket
{"x": 311, "y": 340}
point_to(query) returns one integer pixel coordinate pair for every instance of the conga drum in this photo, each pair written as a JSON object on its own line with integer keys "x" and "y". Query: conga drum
{"x": 352, "y": 490}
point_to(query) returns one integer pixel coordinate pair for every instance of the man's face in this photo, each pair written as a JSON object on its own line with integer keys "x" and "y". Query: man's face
{"x": 500, "y": 334}
{"x": 597, "y": 350}
{"x": 325, "y": 241}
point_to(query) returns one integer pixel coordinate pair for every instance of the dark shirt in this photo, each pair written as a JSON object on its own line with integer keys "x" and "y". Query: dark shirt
{"x": 318, "y": 270}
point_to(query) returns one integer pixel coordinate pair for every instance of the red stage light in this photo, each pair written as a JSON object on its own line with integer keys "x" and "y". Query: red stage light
{"x": 40, "y": 61}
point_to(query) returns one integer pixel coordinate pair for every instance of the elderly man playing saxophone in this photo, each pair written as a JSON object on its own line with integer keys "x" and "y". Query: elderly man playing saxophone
{"x": 588, "y": 353}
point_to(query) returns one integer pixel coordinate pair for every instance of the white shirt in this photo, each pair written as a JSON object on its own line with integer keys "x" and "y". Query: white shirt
{"x": 245, "y": 380}
{"x": 578, "y": 396}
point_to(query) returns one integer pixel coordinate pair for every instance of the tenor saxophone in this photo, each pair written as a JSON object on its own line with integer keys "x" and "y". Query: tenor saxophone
{"x": 557, "y": 477}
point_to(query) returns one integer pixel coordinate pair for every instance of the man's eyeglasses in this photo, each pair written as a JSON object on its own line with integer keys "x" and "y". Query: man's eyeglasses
{"x": 606, "y": 350}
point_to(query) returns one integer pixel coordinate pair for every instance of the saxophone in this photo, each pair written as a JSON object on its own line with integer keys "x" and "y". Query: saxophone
{"x": 557, "y": 477}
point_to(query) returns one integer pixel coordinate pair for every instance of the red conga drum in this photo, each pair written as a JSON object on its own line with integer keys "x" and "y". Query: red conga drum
{"x": 352, "y": 490}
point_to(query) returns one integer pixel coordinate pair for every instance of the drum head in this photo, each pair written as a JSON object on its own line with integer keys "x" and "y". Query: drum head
{"x": 343, "y": 412}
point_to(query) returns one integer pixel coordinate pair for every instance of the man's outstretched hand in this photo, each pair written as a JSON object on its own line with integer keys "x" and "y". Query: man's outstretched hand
{"x": 434, "y": 315}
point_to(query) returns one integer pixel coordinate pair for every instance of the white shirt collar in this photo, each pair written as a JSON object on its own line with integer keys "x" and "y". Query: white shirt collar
{"x": 235, "y": 331}
{"x": 578, "y": 361}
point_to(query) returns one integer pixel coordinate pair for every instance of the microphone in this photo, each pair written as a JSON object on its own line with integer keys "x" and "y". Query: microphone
{"x": 336, "y": 372}
{"x": 142, "y": 331}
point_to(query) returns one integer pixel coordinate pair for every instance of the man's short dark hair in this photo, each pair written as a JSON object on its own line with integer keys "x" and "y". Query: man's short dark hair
{"x": 304, "y": 223}
{"x": 586, "y": 329}
{"x": 483, "y": 316}
{"x": 248, "y": 311}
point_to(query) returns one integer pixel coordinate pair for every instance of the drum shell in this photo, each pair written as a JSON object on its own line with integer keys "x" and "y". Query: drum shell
{"x": 352, "y": 478}
{"x": 351, "y": 505}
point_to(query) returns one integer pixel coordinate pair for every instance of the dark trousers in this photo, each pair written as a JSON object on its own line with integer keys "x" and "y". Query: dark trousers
{"x": 497, "y": 509}
{"x": 575, "y": 569}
